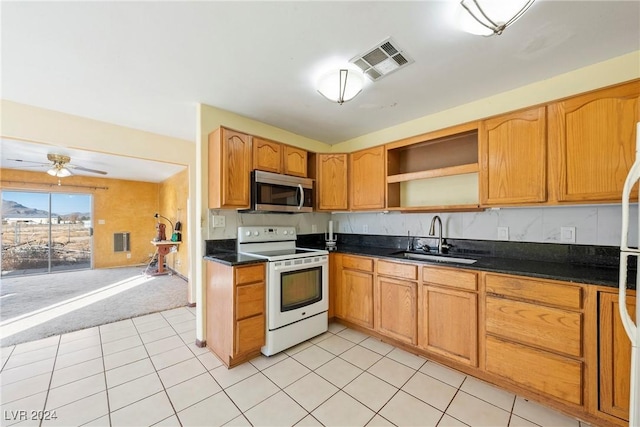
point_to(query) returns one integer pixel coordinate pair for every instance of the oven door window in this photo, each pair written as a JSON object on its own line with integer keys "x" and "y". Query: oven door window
{"x": 300, "y": 288}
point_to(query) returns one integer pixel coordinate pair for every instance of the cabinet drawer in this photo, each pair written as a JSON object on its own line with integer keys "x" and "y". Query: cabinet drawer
{"x": 451, "y": 278}
{"x": 538, "y": 290}
{"x": 397, "y": 269}
{"x": 550, "y": 328}
{"x": 536, "y": 369}
{"x": 357, "y": 263}
{"x": 249, "y": 334}
{"x": 249, "y": 300}
{"x": 249, "y": 274}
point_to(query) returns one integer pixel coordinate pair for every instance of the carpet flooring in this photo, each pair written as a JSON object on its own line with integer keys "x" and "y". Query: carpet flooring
{"x": 57, "y": 303}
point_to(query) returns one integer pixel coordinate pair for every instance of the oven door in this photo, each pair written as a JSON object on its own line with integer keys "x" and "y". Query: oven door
{"x": 296, "y": 289}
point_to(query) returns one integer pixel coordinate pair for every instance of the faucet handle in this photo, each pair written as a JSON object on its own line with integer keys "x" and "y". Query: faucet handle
{"x": 445, "y": 246}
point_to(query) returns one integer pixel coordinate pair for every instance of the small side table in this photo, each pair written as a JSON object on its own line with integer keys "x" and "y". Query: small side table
{"x": 163, "y": 247}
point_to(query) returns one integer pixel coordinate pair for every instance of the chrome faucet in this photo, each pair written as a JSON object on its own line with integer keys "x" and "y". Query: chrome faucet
{"x": 432, "y": 231}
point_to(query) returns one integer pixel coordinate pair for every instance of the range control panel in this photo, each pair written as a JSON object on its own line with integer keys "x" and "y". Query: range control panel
{"x": 264, "y": 233}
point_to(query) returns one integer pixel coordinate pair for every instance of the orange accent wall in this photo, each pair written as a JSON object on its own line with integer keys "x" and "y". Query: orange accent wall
{"x": 173, "y": 197}
{"x": 126, "y": 206}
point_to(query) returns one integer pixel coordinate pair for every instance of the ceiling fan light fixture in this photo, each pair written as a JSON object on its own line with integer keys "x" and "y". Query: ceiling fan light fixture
{"x": 491, "y": 17}
{"x": 340, "y": 85}
{"x": 59, "y": 171}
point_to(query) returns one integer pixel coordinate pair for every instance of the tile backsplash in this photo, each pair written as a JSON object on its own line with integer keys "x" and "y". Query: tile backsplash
{"x": 594, "y": 225}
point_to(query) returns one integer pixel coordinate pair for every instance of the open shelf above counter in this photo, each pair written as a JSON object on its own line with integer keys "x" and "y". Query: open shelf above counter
{"x": 435, "y": 172}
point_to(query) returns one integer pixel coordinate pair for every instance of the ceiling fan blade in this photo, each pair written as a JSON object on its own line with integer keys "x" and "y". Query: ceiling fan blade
{"x": 80, "y": 168}
{"x": 27, "y": 161}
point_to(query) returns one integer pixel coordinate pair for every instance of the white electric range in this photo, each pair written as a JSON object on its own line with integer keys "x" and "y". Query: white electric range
{"x": 297, "y": 285}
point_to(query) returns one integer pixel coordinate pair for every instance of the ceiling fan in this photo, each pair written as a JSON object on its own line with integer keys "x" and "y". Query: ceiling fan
{"x": 60, "y": 165}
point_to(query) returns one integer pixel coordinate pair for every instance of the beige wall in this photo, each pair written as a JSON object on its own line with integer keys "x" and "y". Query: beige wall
{"x": 124, "y": 206}
{"x": 173, "y": 198}
{"x": 28, "y": 123}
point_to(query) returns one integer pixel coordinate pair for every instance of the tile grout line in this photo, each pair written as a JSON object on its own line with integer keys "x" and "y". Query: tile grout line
{"x": 104, "y": 371}
{"x": 53, "y": 369}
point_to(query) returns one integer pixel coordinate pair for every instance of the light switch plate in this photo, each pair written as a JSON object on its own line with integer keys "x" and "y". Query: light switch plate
{"x": 503, "y": 233}
{"x": 568, "y": 234}
{"x": 365, "y": 228}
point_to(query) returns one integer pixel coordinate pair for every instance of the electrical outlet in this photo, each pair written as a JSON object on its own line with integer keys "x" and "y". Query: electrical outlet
{"x": 365, "y": 228}
{"x": 314, "y": 228}
{"x": 218, "y": 221}
{"x": 503, "y": 233}
{"x": 568, "y": 234}
{"x": 129, "y": 255}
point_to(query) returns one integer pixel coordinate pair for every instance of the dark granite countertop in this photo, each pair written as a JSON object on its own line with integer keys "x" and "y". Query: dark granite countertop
{"x": 231, "y": 258}
{"x": 596, "y": 265}
{"x": 595, "y": 275}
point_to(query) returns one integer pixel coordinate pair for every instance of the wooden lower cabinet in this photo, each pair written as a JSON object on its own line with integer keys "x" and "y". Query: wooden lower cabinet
{"x": 355, "y": 290}
{"x": 235, "y": 311}
{"x": 615, "y": 357}
{"x": 557, "y": 342}
{"x": 448, "y": 321}
{"x": 534, "y": 335}
{"x": 397, "y": 309}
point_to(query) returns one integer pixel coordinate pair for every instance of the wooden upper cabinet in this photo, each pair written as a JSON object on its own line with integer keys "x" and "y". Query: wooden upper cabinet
{"x": 271, "y": 156}
{"x": 367, "y": 179}
{"x": 331, "y": 182}
{"x": 229, "y": 169}
{"x": 592, "y": 144}
{"x": 513, "y": 157}
{"x": 294, "y": 161}
{"x": 267, "y": 155}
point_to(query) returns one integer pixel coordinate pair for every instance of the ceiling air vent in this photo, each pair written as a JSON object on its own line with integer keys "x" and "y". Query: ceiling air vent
{"x": 382, "y": 60}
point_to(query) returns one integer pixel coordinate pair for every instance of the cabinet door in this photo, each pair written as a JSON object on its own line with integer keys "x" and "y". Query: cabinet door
{"x": 267, "y": 155}
{"x": 331, "y": 184}
{"x": 356, "y": 297}
{"x": 229, "y": 169}
{"x": 592, "y": 143}
{"x": 367, "y": 186}
{"x": 295, "y": 161}
{"x": 449, "y": 323}
{"x": 396, "y": 314}
{"x": 615, "y": 357}
{"x": 513, "y": 158}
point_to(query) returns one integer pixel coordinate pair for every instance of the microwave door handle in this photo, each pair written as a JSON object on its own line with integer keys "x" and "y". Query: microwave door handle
{"x": 301, "y": 192}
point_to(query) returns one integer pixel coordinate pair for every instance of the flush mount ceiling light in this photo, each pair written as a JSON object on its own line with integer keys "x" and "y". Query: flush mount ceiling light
{"x": 340, "y": 85}
{"x": 492, "y": 17}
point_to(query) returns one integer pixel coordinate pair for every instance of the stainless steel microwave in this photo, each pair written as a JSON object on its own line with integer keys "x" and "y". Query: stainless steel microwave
{"x": 272, "y": 192}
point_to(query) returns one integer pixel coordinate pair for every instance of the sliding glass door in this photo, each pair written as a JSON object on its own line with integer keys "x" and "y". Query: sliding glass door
{"x": 45, "y": 232}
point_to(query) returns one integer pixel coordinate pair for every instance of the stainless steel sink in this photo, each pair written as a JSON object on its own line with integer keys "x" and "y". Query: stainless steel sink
{"x": 438, "y": 258}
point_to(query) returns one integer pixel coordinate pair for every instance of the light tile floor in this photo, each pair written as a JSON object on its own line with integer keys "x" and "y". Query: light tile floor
{"x": 147, "y": 371}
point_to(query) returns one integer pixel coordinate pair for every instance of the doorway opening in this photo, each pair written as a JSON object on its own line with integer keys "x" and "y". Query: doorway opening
{"x": 45, "y": 232}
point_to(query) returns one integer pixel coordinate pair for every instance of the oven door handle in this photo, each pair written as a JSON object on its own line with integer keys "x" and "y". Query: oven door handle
{"x": 301, "y": 193}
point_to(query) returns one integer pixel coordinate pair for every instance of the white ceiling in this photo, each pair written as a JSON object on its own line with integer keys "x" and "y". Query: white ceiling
{"x": 146, "y": 65}
{"x": 117, "y": 167}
